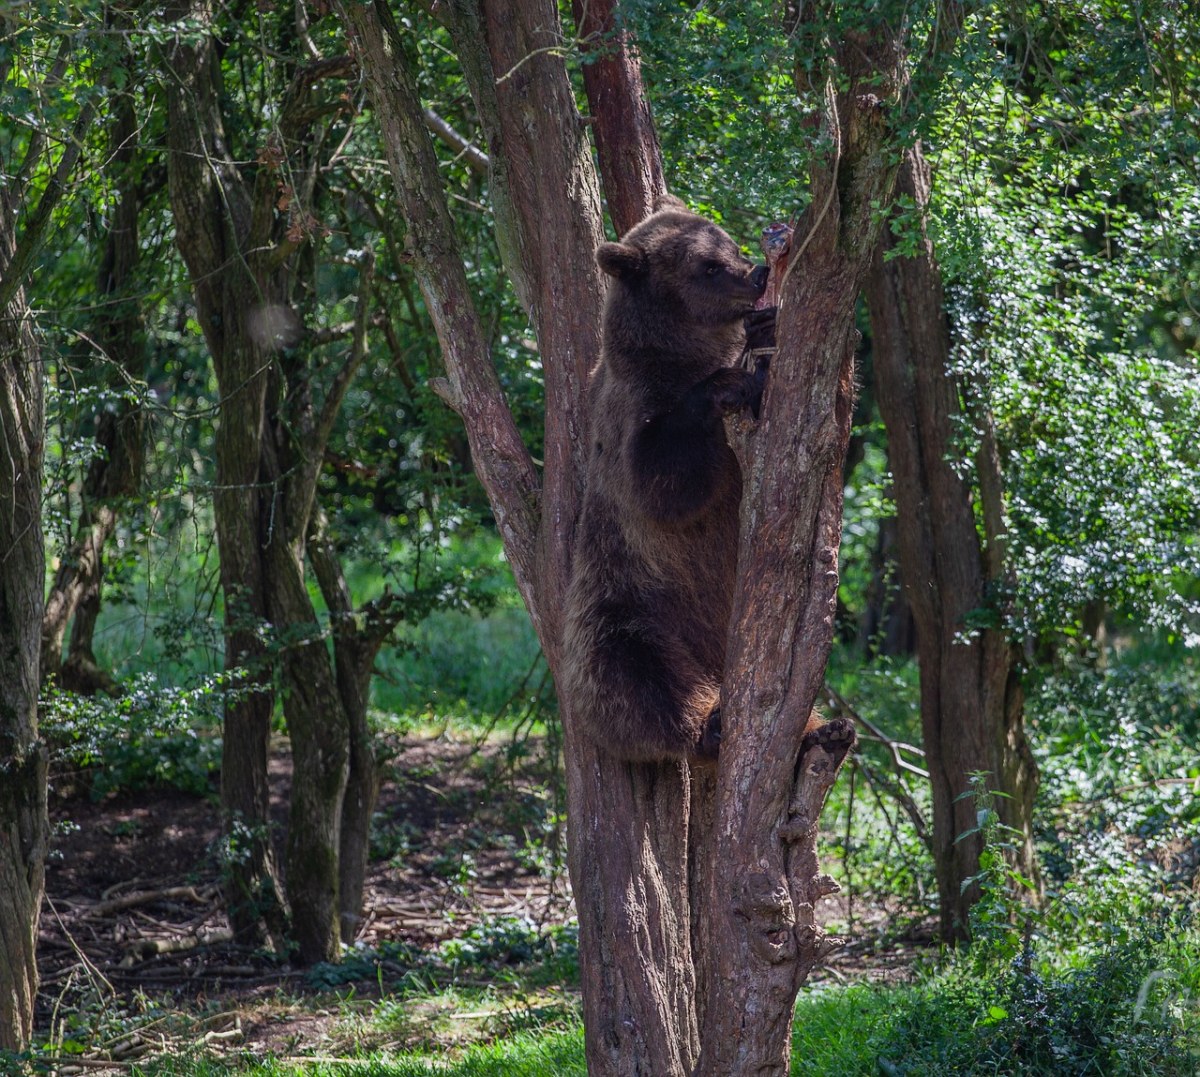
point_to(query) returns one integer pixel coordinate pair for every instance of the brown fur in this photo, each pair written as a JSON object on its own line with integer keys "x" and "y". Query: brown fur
{"x": 649, "y": 601}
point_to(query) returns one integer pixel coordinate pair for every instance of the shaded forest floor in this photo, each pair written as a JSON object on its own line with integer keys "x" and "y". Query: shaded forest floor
{"x": 468, "y": 919}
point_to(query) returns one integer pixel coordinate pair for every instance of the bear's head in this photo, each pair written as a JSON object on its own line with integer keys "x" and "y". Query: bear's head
{"x": 678, "y": 268}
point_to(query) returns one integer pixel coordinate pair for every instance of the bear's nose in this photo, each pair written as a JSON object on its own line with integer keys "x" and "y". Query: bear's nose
{"x": 758, "y": 277}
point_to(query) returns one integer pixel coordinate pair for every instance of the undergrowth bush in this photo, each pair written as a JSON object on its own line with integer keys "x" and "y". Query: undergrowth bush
{"x": 1127, "y": 1011}
{"x": 152, "y": 734}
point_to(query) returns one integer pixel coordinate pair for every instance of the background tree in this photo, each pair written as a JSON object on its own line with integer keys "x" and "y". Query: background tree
{"x": 23, "y": 827}
{"x": 971, "y": 696}
{"x": 37, "y": 171}
{"x": 115, "y": 472}
{"x": 248, "y": 237}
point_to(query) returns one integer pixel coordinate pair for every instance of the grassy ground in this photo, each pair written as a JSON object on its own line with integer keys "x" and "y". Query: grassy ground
{"x": 467, "y": 965}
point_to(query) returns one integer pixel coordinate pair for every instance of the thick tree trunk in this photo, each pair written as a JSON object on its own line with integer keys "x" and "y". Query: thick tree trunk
{"x": 772, "y": 777}
{"x": 971, "y": 699}
{"x": 24, "y": 829}
{"x": 627, "y": 824}
{"x": 23, "y": 825}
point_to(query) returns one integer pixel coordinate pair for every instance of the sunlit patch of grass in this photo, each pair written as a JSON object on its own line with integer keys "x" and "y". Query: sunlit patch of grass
{"x": 831, "y": 1033}
{"x": 455, "y": 1018}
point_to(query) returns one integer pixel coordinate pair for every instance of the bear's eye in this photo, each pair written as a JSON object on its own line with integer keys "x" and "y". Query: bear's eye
{"x": 712, "y": 269}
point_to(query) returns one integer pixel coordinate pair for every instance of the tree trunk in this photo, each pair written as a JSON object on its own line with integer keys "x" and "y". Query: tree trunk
{"x": 23, "y": 824}
{"x": 116, "y": 472}
{"x": 354, "y": 651}
{"x": 24, "y": 828}
{"x": 626, "y": 142}
{"x": 776, "y": 767}
{"x": 629, "y": 824}
{"x": 886, "y": 625}
{"x": 971, "y": 698}
{"x": 212, "y": 213}
{"x": 271, "y": 440}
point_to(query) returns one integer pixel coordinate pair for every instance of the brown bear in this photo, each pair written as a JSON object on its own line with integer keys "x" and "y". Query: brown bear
{"x": 652, "y": 581}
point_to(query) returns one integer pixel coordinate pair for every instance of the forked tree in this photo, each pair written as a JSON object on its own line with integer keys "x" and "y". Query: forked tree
{"x": 690, "y": 963}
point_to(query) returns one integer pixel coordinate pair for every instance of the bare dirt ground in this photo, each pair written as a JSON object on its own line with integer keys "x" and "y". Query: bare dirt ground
{"x": 464, "y": 836}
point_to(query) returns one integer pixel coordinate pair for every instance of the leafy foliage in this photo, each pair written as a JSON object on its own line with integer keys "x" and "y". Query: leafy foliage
{"x": 153, "y": 734}
{"x": 1068, "y": 208}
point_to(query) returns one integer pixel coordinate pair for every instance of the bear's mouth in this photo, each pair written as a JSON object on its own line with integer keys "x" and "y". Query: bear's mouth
{"x": 755, "y": 288}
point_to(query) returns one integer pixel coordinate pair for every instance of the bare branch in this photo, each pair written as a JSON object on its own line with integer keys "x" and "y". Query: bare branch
{"x": 475, "y": 158}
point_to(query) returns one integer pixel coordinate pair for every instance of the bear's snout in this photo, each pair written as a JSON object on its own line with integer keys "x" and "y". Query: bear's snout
{"x": 758, "y": 277}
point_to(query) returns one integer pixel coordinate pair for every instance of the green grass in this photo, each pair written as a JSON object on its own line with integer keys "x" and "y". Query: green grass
{"x": 832, "y": 1033}
{"x": 1127, "y": 1012}
{"x": 551, "y": 1054}
{"x": 461, "y": 665}
{"x": 1125, "y": 1009}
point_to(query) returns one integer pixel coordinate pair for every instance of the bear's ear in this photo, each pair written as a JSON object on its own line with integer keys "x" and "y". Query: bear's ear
{"x": 620, "y": 260}
{"x": 669, "y": 201}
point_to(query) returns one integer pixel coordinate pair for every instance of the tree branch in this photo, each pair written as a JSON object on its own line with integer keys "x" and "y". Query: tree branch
{"x": 505, "y": 465}
{"x": 475, "y": 158}
{"x": 36, "y": 225}
{"x": 626, "y": 141}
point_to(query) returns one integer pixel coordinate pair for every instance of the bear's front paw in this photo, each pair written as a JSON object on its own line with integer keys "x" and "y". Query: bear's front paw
{"x": 760, "y": 328}
{"x": 836, "y": 736}
{"x": 710, "y": 740}
{"x": 730, "y": 389}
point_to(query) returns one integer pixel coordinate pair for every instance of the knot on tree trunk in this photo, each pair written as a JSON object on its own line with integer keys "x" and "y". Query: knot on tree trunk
{"x": 766, "y": 903}
{"x": 822, "y": 752}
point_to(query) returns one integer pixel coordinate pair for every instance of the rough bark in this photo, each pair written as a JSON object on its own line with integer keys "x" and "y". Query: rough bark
{"x": 971, "y": 698}
{"x": 23, "y": 825}
{"x": 24, "y": 829}
{"x": 627, "y": 824}
{"x": 270, "y": 444}
{"x": 626, "y": 142}
{"x": 115, "y": 473}
{"x": 212, "y": 213}
{"x": 772, "y": 780}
